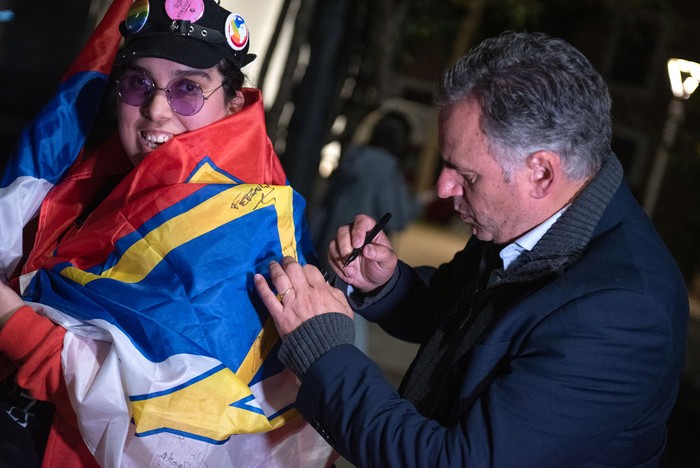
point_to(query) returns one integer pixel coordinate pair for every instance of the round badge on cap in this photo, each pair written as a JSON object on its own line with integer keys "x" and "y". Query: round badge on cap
{"x": 189, "y": 10}
{"x": 137, "y": 16}
{"x": 236, "y": 31}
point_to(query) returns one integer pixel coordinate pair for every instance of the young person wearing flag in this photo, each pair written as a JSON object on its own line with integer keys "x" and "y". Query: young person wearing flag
{"x": 137, "y": 318}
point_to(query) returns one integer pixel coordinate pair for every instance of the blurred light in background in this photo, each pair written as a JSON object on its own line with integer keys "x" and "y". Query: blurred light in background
{"x": 684, "y": 76}
{"x": 6, "y": 16}
{"x": 330, "y": 157}
{"x": 677, "y": 70}
{"x": 330, "y": 154}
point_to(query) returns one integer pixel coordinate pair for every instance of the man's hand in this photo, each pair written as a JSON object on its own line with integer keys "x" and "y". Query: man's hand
{"x": 376, "y": 263}
{"x": 303, "y": 294}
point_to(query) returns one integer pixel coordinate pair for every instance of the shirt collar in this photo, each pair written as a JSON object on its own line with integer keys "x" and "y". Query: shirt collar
{"x": 528, "y": 240}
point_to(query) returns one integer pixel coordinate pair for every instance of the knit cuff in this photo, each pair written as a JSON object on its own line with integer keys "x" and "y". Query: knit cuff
{"x": 313, "y": 338}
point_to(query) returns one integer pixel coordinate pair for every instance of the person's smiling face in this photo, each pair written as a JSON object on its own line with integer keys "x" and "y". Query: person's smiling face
{"x": 496, "y": 210}
{"x": 144, "y": 128}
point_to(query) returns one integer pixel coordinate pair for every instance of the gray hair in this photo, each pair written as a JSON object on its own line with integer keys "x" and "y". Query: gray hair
{"x": 536, "y": 92}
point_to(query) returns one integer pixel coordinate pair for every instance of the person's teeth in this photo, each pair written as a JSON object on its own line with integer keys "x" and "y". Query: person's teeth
{"x": 156, "y": 140}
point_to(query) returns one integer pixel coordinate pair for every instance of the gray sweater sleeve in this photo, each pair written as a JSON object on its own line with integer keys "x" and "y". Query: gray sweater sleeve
{"x": 313, "y": 338}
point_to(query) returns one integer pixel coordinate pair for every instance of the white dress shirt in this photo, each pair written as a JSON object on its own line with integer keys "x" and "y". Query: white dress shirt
{"x": 528, "y": 240}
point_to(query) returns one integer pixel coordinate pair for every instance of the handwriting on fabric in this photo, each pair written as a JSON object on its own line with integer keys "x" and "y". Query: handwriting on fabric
{"x": 192, "y": 457}
{"x": 260, "y": 194}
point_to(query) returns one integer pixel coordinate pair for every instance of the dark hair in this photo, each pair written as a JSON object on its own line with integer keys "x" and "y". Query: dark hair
{"x": 233, "y": 77}
{"x": 392, "y": 132}
{"x": 535, "y": 92}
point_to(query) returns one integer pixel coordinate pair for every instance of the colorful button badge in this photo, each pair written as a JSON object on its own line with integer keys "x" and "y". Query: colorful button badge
{"x": 137, "y": 16}
{"x": 236, "y": 31}
{"x": 189, "y": 10}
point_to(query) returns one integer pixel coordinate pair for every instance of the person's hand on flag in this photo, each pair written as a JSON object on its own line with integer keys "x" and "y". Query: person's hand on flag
{"x": 303, "y": 294}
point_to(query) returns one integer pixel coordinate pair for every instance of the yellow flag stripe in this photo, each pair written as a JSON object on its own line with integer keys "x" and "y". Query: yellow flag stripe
{"x": 233, "y": 203}
{"x": 204, "y": 408}
{"x": 207, "y": 174}
{"x": 263, "y": 344}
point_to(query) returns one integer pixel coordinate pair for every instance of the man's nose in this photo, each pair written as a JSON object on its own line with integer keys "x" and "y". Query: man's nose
{"x": 447, "y": 185}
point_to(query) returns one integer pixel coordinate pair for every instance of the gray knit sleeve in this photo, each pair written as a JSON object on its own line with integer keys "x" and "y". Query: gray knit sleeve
{"x": 313, "y": 338}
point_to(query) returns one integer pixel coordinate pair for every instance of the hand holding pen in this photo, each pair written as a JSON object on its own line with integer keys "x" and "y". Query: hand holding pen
{"x": 369, "y": 265}
{"x": 369, "y": 237}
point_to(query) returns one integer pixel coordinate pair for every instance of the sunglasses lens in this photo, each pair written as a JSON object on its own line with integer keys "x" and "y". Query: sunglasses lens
{"x": 135, "y": 89}
{"x": 185, "y": 96}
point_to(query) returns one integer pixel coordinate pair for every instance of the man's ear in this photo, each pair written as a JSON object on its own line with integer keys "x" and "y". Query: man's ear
{"x": 545, "y": 169}
{"x": 236, "y": 103}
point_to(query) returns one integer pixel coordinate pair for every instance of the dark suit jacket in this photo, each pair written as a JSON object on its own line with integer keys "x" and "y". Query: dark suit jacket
{"x": 581, "y": 370}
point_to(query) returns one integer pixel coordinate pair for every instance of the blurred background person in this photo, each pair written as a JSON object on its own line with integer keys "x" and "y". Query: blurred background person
{"x": 369, "y": 179}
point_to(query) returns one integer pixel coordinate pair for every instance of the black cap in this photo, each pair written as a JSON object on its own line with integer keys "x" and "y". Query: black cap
{"x": 196, "y": 33}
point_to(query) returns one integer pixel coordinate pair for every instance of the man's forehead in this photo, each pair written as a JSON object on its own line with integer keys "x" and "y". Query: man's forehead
{"x": 460, "y": 121}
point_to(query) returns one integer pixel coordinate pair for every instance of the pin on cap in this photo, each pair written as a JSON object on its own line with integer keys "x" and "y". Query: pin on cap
{"x": 196, "y": 33}
{"x": 190, "y": 10}
{"x": 137, "y": 16}
{"x": 236, "y": 31}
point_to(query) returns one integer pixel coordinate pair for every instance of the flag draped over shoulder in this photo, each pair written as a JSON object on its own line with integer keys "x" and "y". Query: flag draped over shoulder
{"x": 55, "y": 139}
{"x": 170, "y": 358}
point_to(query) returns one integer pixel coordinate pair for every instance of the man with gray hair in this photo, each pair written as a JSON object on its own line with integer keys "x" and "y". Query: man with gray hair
{"x": 555, "y": 338}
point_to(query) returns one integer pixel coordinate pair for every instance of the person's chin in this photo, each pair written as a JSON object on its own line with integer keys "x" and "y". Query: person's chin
{"x": 465, "y": 218}
{"x": 481, "y": 234}
{"x": 137, "y": 158}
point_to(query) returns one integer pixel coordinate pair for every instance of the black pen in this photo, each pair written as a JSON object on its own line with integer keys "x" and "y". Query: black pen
{"x": 371, "y": 234}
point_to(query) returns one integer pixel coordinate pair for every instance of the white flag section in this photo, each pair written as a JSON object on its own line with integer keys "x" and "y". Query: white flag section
{"x": 105, "y": 417}
{"x": 19, "y": 202}
{"x": 97, "y": 379}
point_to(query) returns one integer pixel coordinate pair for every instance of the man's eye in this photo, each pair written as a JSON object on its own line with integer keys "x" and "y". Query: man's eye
{"x": 470, "y": 178}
